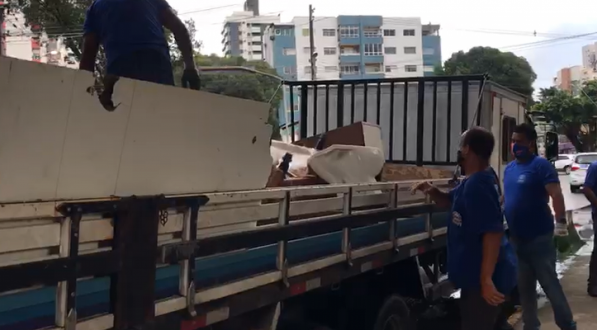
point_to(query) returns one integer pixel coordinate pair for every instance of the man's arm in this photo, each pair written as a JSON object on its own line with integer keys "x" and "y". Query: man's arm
{"x": 90, "y": 42}
{"x": 484, "y": 217}
{"x": 171, "y": 22}
{"x": 590, "y": 182}
{"x": 440, "y": 197}
{"x": 551, "y": 181}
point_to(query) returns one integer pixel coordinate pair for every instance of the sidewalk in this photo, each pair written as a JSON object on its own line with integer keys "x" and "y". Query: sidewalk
{"x": 584, "y": 307}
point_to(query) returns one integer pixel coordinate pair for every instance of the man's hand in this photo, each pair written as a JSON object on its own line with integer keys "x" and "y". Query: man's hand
{"x": 190, "y": 79}
{"x": 424, "y": 187}
{"x": 491, "y": 294}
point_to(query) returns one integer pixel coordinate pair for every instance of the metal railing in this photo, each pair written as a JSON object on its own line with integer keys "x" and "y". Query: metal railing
{"x": 421, "y": 118}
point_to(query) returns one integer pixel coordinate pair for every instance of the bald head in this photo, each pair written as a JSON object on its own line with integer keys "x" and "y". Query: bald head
{"x": 478, "y": 141}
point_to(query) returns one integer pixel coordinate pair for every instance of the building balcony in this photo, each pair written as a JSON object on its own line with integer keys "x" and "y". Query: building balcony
{"x": 373, "y": 39}
{"x": 372, "y": 58}
{"x": 349, "y": 41}
{"x": 351, "y": 58}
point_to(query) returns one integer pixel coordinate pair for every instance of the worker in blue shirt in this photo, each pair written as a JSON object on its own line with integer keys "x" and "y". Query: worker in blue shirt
{"x": 480, "y": 260}
{"x": 529, "y": 181}
{"x": 590, "y": 191}
{"x": 132, "y": 35}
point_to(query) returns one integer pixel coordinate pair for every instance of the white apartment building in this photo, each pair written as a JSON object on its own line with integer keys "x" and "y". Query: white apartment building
{"x": 589, "y": 56}
{"x": 350, "y": 47}
{"x": 242, "y": 34}
{"x": 24, "y": 44}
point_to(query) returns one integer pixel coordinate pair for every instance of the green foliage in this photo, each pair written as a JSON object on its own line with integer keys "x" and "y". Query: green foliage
{"x": 65, "y": 18}
{"x": 506, "y": 69}
{"x": 573, "y": 115}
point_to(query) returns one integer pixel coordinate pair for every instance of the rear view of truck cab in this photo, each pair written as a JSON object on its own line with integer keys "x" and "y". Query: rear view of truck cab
{"x": 154, "y": 217}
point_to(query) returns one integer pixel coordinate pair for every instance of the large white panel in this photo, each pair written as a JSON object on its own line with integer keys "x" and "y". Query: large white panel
{"x": 57, "y": 142}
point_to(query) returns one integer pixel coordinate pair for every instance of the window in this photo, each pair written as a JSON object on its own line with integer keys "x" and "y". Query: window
{"x": 371, "y": 32}
{"x": 307, "y": 50}
{"x": 329, "y": 32}
{"x": 410, "y": 50}
{"x": 277, "y": 32}
{"x": 331, "y": 69}
{"x": 349, "y": 69}
{"x": 390, "y": 68}
{"x": 408, "y": 33}
{"x": 307, "y": 70}
{"x": 349, "y": 51}
{"x": 349, "y": 31}
{"x": 508, "y": 124}
{"x": 306, "y": 32}
{"x": 329, "y": 51}
{"x": 410, "y": 68}
{"x": 390, "y": 50}
{"x": 373, "y": 49}
{"x": 372, "y": 68}
{"x": 428, "y": 51}
{"x": 428, "y": 68}
{"x": 389, "y": 33}
{"x": 289, "y": 51}
{"x": 288, "y": 70}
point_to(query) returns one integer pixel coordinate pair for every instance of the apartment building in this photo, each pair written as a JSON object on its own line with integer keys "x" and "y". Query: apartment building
{"x": 353, "y": 47}
{"x": 30, "y": 43}
{"x": 349, "y": 47}
{"x": 242, "y": 34}
{"x": 569, "y": 79}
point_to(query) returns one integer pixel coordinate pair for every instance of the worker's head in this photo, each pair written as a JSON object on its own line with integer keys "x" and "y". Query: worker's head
{"x": 476, "y": 147}
{"x": 524, "y": 139}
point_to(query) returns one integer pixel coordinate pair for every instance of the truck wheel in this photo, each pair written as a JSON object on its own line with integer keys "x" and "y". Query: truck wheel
{"x": 394, "y": 315}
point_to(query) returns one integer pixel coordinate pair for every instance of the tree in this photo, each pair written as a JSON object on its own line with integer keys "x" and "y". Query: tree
{"x": 572, "y": 115}
{"x": 259, "y": 85}
{"x": 504, "y": 68}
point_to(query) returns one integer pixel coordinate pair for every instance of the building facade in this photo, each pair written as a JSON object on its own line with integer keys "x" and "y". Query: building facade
{"x": 355, "y": 47}
{"x": 569, "y": 79}
{"x": 242, "y": 34}
{"x": 348, "y": 47}
{"x": 31, "y": 44}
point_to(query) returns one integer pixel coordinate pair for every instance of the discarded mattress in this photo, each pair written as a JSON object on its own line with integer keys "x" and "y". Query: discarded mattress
{"x": 347, "y": 164}
{"x": 57, "y": 141}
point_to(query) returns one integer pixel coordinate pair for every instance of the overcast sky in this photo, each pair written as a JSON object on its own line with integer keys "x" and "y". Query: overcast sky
{"x": 506, "y": 24}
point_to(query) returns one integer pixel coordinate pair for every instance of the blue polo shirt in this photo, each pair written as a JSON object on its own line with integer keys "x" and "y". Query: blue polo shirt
{"x": 133, "y": 38}
{"x": 475, "y": 211}
{"x": 526, "y": 201}
{"x": 591, "y": 181}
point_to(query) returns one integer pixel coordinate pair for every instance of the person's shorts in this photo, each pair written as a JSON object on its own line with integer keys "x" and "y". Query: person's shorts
{"x": 147, "y": 65}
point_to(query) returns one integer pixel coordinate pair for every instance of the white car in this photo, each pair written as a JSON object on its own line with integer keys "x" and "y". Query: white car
{"x": 563, "y": 163}
{"x": 578, "y": 169}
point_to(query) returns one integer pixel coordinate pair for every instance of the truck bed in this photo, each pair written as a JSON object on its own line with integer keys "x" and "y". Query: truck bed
{"x": 35, "y": 308}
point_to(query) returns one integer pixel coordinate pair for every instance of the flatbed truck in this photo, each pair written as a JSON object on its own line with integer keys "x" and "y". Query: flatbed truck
{"x": 130, "y": 219}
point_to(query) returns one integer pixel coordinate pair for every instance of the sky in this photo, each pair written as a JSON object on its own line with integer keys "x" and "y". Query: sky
{"x": 507, "y": 24}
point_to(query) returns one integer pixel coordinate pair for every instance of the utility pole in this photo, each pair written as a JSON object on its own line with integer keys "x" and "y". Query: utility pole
{"x": 2, "y": 36}
{"x": 313, "y": 55}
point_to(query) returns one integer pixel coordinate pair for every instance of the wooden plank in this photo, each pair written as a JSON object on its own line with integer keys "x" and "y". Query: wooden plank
{"x": 27, "y": 238}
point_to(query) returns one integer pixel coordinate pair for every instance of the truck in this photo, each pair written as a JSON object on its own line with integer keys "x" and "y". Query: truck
{"x": 153, "y": 216}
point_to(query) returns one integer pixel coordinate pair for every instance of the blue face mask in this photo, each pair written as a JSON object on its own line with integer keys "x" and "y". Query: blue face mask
{"x": 520, "y": 151}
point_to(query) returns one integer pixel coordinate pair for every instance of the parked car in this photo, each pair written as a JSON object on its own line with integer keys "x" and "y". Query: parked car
{"x": 578, "y": 169}
{"x": 563, "y": 163}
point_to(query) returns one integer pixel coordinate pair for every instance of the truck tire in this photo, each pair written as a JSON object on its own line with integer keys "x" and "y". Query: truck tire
{"x": 394, "y": 314}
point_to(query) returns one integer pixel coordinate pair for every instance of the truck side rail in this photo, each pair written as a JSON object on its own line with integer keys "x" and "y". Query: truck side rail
{"x": 172, "y": 230}
{"x": 421, "y": 117}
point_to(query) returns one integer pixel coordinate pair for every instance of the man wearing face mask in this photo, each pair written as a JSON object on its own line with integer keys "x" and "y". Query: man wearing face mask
{"x": 480, "y": 259}
{"x": 529, "y": 181}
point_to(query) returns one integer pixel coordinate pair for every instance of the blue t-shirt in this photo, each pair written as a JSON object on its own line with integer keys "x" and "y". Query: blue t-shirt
{"x": 475, "y": 211}
{"x": 125, "y": 27}
{"x": 526, "y": 200}
{"x": 591, "y": 180}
